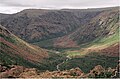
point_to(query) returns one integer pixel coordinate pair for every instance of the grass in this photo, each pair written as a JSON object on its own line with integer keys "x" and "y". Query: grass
{"x": 8, "y": 54}
{"x": 10, "y": 39}
{"x": 7, "y": 59}
{"x": 109, "y": 40}
{"x": 51, "y": 62}
{"x": 45, "y": 43}
{"x": 98, "y": 43}
{"x": 87, "y": 62}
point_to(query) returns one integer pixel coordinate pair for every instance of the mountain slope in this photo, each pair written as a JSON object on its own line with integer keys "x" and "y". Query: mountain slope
{"x": 41, "y": 24}
{"x": 102, "y": 25}
{"x": 35, "y": 25}
{"x": 97, "y": 24}
{"x": 47, "y": 28}
{"x": 16, "y": 51}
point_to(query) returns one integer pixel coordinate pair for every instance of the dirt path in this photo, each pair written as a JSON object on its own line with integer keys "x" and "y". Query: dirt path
{"x": 58, "y": 66}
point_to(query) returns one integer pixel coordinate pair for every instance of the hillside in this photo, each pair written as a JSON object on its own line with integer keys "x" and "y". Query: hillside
{"x": 82, "y": 38}
{"x": 99, "y": 52}
{"x": 102, "y": 25}
{"x": 16, "y": 51}
{"x": 3, "y": 16}
{"x": 41, "y": 24}
{"x": 36, "y": 25}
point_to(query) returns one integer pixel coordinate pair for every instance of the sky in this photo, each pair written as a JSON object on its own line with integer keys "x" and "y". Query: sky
{"x": 13, "y": 6}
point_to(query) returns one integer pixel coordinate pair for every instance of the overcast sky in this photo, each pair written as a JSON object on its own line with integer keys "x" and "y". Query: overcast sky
{"x": 13, "y": 6}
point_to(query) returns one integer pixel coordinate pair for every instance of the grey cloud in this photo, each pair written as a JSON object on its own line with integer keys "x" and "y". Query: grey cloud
{"x": 55, "y": 4}
{"x": 15, "y": 3}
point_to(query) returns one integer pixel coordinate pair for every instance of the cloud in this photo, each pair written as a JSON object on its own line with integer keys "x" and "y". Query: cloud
{"x": 15, "y": 3}
{"x": 54, "y": 4}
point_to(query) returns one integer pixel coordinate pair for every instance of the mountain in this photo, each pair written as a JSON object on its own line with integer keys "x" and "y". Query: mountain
{"x": 3, "y": 16}
{"x": 102, "y": 25}
{"x": 39, "y": 25}
{"x": 98, "y": 43}
{"x": 13, "y": 50}
{"x": 82, "y": 38}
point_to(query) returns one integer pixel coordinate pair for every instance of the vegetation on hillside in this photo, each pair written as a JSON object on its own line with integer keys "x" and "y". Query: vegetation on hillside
{"x": 87, "y": 62}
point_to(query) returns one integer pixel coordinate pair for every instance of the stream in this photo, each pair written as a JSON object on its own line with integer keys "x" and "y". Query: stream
{"x": 67, "y": 58}
{"x": 58, "y": 66}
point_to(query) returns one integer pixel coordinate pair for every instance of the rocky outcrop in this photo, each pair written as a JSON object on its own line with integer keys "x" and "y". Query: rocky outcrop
{"x": 15, "y": 71}
{"x": 100, "y": 72}
{"x": 10, "y": 71}
{"x": 97, "y": 71}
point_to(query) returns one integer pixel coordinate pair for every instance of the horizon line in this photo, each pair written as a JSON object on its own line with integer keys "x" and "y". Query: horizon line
{"x": 80, "y": 8}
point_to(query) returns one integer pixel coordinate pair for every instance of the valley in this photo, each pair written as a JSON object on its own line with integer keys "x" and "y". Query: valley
{"x": 56, "y": 41}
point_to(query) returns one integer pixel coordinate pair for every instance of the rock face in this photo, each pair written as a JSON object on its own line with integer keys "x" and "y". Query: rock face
{"x": 75, "y": 26}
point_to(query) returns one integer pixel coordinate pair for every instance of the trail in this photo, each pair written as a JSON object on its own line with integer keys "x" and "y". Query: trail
{"x": 57, "y": 52}
{"x": 58, "y": 66}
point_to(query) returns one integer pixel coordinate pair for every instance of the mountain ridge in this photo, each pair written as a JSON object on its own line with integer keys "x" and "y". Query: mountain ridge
{"x": 40, "y": 24}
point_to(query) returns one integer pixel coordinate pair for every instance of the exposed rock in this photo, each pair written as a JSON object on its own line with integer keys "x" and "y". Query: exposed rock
{"x": 76, "y": 72}
{"x": 11, "y": 72}
{"x": 31, "y": 73}
{"x": 22, "y": 72}
{"x": 97, "y": 70}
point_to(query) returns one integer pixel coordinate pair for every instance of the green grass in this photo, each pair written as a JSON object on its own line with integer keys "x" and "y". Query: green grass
{"x": 106, "y": 41}
{"x": 8, "y": 38}
{"x": 8, "y": 59}
{"x": 51, "y": 62}
{"x": 2, "y": 44}
{"x": 45, "y": 43}
{"x": 74, "y": 53}
{"x": 88, "y": 62}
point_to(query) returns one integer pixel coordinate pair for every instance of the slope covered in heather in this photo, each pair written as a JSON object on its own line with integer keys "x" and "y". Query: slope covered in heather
{"x": 16, "y": 51}
{"x": 101, "y": 26}
{"x": 39, "y": 25}
{"x": 102, "y": 23}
